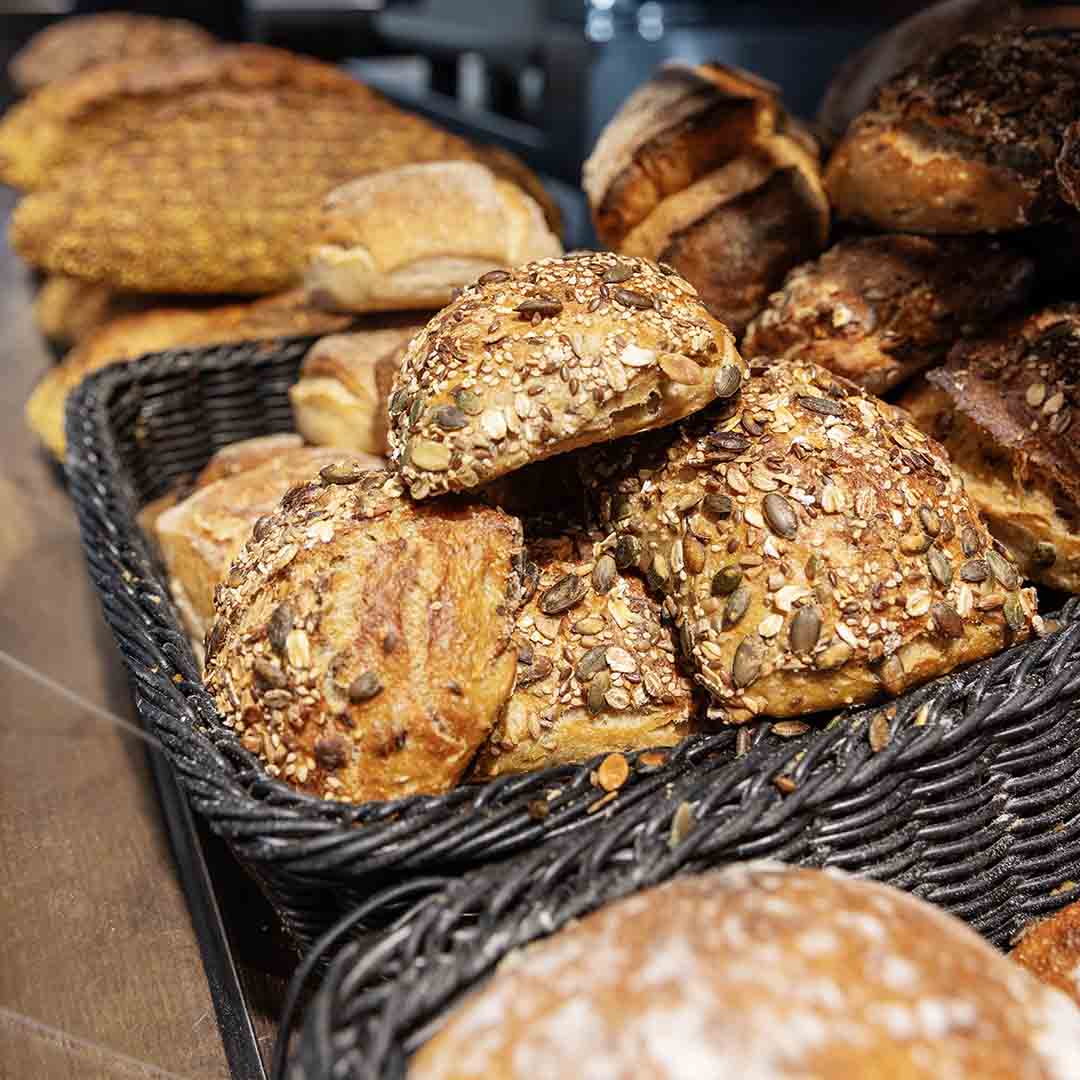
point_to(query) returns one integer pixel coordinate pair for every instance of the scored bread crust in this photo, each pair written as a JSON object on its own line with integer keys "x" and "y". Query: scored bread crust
{"x": 362, "y": 642}
{"x": 737, "y": 231}
{"x": 879, "y": 309}
{"x": 1050, "y": 950}
{"x": 758, "y": 971}
{"x": 813, "y": 546}
{"x": 683, "y": 123}
{"x": 965, "y": 142}
{"x": 1005, "y": 407}
{"x": 337, "y": 400}
{"x": 546, "y": 357}
{"x": 597, "y": 672}
{"x": 406, "y": 238}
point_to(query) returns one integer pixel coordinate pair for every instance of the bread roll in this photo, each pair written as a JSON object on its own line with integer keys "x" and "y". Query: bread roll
{"x": 406, "y": 238}
{"x": 1050, "y": 950}
{"x": 72, "y": 45}
{"x": 66, "y": 309}
{"x": 596, "y": 670}
{"x": 1005, "y": 407}
{"x": 759, "y": 970}
{"x": 965, "y": 142}
{"x": 128, "y": 337}
{"x": 879, "y": 309}
{"x": 337, "y": 400}
{"x": 200, "y": 536}
{"x": 547, "y": 357}
{"x": 362, "y": 642}
{"x": 814, "y": 547}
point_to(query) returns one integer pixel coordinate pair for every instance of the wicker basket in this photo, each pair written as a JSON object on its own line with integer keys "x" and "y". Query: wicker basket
{"x": 980, "y": 769}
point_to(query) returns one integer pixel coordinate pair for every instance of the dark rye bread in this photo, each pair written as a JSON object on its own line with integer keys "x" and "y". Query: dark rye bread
{"x": 966, "y": 142}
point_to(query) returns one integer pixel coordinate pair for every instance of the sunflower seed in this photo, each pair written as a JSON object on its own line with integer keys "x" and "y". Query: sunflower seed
{"x": 432, "y": 456}
{"x": 598, "y": 688}
{"x": 632, "y": 298}
{"x": 780, "y": 515}
{"x": 940, "y": 568}
{"x": 298, "y": 648}
{"x": 718, "y": 505}
{"x": 1014, "y": 613}
{"x": 736, "y": 605}
{"x": 636, "y": 356}
{"x": 341, "y": 472}
{"x": 450, "y": 418}
{"x": 1044, "y": 555}
{"x": 947, "y": 620}
{"x": 970, "y": 542}
{"x": 681, "y": 824}
{"x": 974, "y": 570}
{"x": 680, "y": 369}
{"x": 541, "y": 305}
{"x": 746, "y": 664}
{"x": 277, "y": 699}
{"x": 726, "y": 580}
{"x": 693, "y": 554}
{"x": 813, "y": 567}
{"x": 930, "y": 521}
{"x": 805, "y": 629}
{"x": 468, "y": 402}
{"x": 880, "y": 734}
{"x": 627, "y": 550}
{"x": 590, "y": 663}
{"x": 821, "y": 406}
{"x": 279, "y": 625}
{"x": 563, "y": 595}
{"x": 364, "y": 687}
{"x": 1004, "y": 572}
{"x": 617, "y": 274}
{"x": 728, "y": 382}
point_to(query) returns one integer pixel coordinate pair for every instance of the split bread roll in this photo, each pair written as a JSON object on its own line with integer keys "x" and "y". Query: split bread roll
{"x": 362, "y": 642}
{"x": 340, "y": 397}
{"x": 813, "y": 546}
{"x": 1050, "y": 950}
{"x": 966, "y": 142}
{"x": 546, "y": 357}
{"x": 407, "y": 238}
{"x": 596, "y": 670}
{"x": 1007, "y": 409}
{"x": 128, "y": 337}
{"x": 199, "y": 537}
{"x": 759, "y": 970}
{"x": 879, "y": 309}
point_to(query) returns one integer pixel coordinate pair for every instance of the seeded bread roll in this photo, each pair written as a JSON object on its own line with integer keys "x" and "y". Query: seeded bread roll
{"x": 547, "y": 357}
{"x": 737, "y": 231}
{"x": 686, "y": 121}
{"x": 596, "y": 670}
{"x": 362, "y": 642}
{"x": 879, "y": 309}
{"x": 814, "y": 548}
{"x": 966, "y": 142}
{"x": 1050, "y": 950}
{"x": 337, "y": 400}
{"x": 200, "y": 536}
{"x": 762, "y": 971}
{"x": 1005, "y": 408}
{"x": 406, "y": 238}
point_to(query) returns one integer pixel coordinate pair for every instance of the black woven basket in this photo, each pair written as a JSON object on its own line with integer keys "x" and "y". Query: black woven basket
{"x": 976, "y": 810}
{"x": 963, "y": 802}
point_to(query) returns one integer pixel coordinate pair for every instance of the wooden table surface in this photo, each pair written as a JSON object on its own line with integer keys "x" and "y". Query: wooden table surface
{"x": 101, "y": 974}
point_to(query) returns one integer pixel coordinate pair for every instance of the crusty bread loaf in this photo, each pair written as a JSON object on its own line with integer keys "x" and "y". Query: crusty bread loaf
{"x": 1005, "y": 407}
{"x": 67, "y": 309}
{"x": 596, "y": 671}
{"x": 337, "y": 400}
{"x": 1050, "y": 950}
{"x": 814, "y": 545}
{"x": 550, "y": 356}
{"x": 130, "y": 336}
{"x": 199, "y": 537}
{"x": 759, "y": 971}
{"x": 965, "y": 142}
{"x": 879, "y": 309}
{"x": 407, "y": 238}
{"x": 72, "y": 45}
{"x": 362, "y": 642}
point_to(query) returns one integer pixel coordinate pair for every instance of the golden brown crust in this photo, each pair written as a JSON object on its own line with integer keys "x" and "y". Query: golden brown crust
{"x": 130, "y": 336}
{"x": 72, "y": 45}
{"x": 736, "y": 232}
{"x": 338, "y": 400}
{"x": 879, "y": 309}
{"x": 408, "y": 238}
{"x": 682, "y": 124}
{"x": 813, "y": 546}
{"x": 200, "y": 536}
{"x": 965, "y": 142}
{"x": 762, "y": 971}
{"x": 1050, "y": 950}
{"x": 1005, "y": 407}
{"x": 546, "y": 357}
{"x": 596, "y": 670}
{"x": 67, "y": 309}
{"x": 362, "y": 640}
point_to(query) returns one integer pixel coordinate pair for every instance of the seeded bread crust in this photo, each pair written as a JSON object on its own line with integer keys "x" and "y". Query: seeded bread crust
{"x": 406, "y": 238}
{"x": 362, "y": 642}
{"x": 337, "y": 400}
{"x": 597, "y": 673}
{"x": 1050, "y": 950}
{"x": 1005, "y": 407}
{"x": 764, "y": 971}
{"x": 879, "y": 309}
{"x": 813, "y": 546}
{"x": 547, "y": 357}
{"x": 966, "y": 142}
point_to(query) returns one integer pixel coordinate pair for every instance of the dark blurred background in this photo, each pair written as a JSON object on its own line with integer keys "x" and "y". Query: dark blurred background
{"x": 538, "y": 76}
